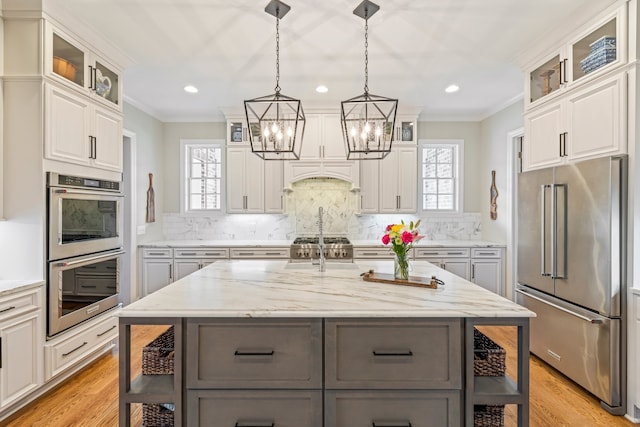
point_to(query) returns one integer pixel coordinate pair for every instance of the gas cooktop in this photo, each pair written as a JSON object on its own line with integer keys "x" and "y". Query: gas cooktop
{"x": 316, "y": 240}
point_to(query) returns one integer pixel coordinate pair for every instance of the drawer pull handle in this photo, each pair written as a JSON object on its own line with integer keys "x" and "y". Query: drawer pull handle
{"x": 455, "y": 253}
{"x": 390, "y": 424}
{"x": 75, "y": 349}
{"x": 254, "y": 424}
{"x": 273, "y": 253}
{"x": 89, "y": 286}
{"x": 188, "y": 254}
{"x": 486, "y": 253}
{"x": 7, "y": 309}
{"x": 254, "y": 353}
{"x": 102, "y": 333}
{"x": 158, "y": 254}
{"x": 392, "y": 353}
{"x": 212, "y": 253}
{"x": 370, "y": 253}
{"x": 246, "y": 253}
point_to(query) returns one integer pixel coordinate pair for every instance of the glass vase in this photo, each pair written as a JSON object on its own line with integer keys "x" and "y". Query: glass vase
{"x": 401, "y": 267}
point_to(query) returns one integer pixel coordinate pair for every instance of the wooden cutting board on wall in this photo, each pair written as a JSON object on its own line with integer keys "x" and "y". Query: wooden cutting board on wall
{"x": 151, "y": 201}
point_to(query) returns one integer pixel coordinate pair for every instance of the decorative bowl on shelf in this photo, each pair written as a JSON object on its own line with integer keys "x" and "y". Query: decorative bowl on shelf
{"x": 64, "y": 68}
{"x": 103, "y": 84}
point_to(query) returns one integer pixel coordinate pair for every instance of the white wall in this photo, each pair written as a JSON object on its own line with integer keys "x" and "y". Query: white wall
{"x": 150, "y": 159}
{"x": 493, "y": 156}
{"x": 173, "y": 133}
{"x": 470, "y": 133}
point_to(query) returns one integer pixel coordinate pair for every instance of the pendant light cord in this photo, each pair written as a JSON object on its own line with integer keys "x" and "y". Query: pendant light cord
{"x": 277, "y": 55}
{"x": 366, "y": 55}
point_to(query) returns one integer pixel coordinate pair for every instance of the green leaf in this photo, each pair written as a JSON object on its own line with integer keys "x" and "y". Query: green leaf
{"x": 418, "y": 223}
{"x": 411, "y": 225}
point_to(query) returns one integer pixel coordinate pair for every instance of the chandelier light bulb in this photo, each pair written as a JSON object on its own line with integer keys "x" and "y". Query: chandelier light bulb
{"x": 279, "y": 136}
{"x": 354, "y": 132}
{"x": 289, "y": 131}
{"x": 363, "y": 135}
{"x": 367, "y": 128}
{"x": 274, "y": 127}
{"x": 266, "y": 132}
{"x": 378, "y": 131}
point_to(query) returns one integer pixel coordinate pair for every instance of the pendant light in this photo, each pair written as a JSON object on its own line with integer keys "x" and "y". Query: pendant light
{"x": 368, "y": 120}
{"x": 275, "y": 122}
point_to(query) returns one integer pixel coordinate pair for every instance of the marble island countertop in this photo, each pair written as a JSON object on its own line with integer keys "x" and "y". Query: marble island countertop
{"x": 282, "y": 289}
{"x": 280, "y": 243}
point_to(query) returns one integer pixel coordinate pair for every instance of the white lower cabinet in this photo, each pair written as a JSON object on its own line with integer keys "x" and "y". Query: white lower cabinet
{"x": 69, "y": 348}
{"x": 21, "y": 339}
{"x": 187, "y": 261}
{"x": 157, "y": 269}
{"x": 21, "y": 353}
{"x": 259, "y": 253}
{"x": 454, "y": 260}
{"x": 487, "y": 269}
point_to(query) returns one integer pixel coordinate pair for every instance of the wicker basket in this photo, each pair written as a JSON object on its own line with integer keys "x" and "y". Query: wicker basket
{"x": 157, "y": 356}
{"x": 488, "y": 357}
{"x": 488, "y": 416}
{"x": 488, "y": 361}
{"x": 156, "y": 415}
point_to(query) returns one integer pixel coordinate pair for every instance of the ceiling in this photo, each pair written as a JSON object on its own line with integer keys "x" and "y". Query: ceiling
{"x": 226, "y": 48}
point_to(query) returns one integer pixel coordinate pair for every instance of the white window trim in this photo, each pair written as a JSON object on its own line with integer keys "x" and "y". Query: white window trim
{"x": 459, "y": 177}
{"x": 183, "y": 176}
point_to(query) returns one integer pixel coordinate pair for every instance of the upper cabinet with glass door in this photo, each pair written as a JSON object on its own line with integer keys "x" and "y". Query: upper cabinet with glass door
{"x": 68, "y": 61}
{"x": 599, "y": 48}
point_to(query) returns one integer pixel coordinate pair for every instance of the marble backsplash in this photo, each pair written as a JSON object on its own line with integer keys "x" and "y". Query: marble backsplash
{"x": 301, "y": 218}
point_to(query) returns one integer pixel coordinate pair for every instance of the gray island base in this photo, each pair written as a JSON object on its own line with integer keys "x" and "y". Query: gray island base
{"x": 277, "y": 344}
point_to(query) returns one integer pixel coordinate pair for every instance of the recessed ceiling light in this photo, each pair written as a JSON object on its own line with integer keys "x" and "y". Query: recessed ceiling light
{"x": 322, "y": 89}
{"x": 452, "y": 88}
{"x": 191, "y": 89}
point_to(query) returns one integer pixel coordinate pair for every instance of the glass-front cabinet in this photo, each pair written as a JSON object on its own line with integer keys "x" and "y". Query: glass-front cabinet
{"x": 237, "y": 132}
{"x": 68, "y": 61}
{"x": 599, "y": 48}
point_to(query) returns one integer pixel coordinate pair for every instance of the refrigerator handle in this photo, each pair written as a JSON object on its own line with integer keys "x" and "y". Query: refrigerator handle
{"x": 594, "y": 321}
{"x": 543, "y": 227}
{"x": 554, "y": 230}
{"x": 559, "y": 232}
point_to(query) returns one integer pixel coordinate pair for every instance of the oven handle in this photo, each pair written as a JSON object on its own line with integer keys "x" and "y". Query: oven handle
{"x": 94, "y": 258}
{"x": 92, "y": 192}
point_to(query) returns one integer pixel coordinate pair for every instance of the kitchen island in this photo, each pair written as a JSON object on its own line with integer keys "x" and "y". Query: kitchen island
{"x": 277, "y": 343}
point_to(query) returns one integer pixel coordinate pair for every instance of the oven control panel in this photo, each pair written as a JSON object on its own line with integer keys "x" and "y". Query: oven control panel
{"x": 79, "y": 182}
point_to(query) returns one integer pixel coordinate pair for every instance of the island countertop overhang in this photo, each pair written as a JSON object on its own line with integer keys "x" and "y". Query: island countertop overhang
{"x": 272, "y": 289}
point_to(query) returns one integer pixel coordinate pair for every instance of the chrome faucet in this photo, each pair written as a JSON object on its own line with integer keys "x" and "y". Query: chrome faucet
{"x": 321, "y": 240}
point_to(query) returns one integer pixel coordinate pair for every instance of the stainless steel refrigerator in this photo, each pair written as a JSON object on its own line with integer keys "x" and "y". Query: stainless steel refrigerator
{"x": 571, "y": 271}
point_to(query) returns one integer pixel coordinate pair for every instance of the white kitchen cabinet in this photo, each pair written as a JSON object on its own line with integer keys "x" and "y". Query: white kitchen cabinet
{"x": 369, "y": 186}
{"x": 253, "y": 185}
{"x": 323, "y": 152}
{"x": 585, "y": 123}
{"x": 579, "y": 58}
{"x": 190, "y": 260}
{"x": 237, "y": 132}
{"x": 374, "y": 252}
{"x": 406, "y": 129}
{"x": 454, "y": 260}
{"x": 21, "y": 344}
{"x": 323, "y": 138}
{"x": 250, "y": 252}
{"x": 73, "y": 64}
{"x": 157, "y": 269}
{"x": 79, "y": 131}
{"x": 398, "y": 181}
{"x": 487, "y": 269}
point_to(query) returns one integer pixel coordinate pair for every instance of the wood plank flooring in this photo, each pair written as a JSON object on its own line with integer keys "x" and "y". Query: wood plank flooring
{"x": 90, "y": 398}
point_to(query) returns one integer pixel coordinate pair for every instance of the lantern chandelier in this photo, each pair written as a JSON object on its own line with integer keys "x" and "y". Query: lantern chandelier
{"x": 275, "y": 122}
{"x": 368, "y": 120}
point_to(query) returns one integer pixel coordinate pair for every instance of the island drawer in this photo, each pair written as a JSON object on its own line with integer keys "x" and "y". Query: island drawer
{"x": 392, "y": 408}
{"x": 393, "y": 354}
{"x": 279, "y": 408}
{"x": 20, "y": 303}
{"x": 248, "y": 353}
{"x": 441, "y": 252}
{"x": 214, "y": 253}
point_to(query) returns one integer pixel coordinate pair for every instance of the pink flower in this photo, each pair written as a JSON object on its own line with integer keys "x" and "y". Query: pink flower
{"x": 385, "y": 239}
{"x": 389, "y": 228}
{"x": 407, "y": 237}
{"x": 416, "y": 236}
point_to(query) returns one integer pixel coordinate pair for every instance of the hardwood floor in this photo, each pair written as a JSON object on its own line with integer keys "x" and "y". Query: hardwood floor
{"x": 90, "y": 398}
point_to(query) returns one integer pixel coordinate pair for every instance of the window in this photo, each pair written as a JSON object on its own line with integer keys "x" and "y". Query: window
{"x": 202, "y": 175}
{"x": 441, "y": 163}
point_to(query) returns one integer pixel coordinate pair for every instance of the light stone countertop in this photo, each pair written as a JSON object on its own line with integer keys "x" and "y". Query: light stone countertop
{"x": 280, "y": 243}
{"x": 282, "y": 289}
{"x": 8, "y": 287}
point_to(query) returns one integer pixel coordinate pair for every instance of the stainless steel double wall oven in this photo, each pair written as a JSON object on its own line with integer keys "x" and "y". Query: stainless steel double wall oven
{"x": 84, "y": 248}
